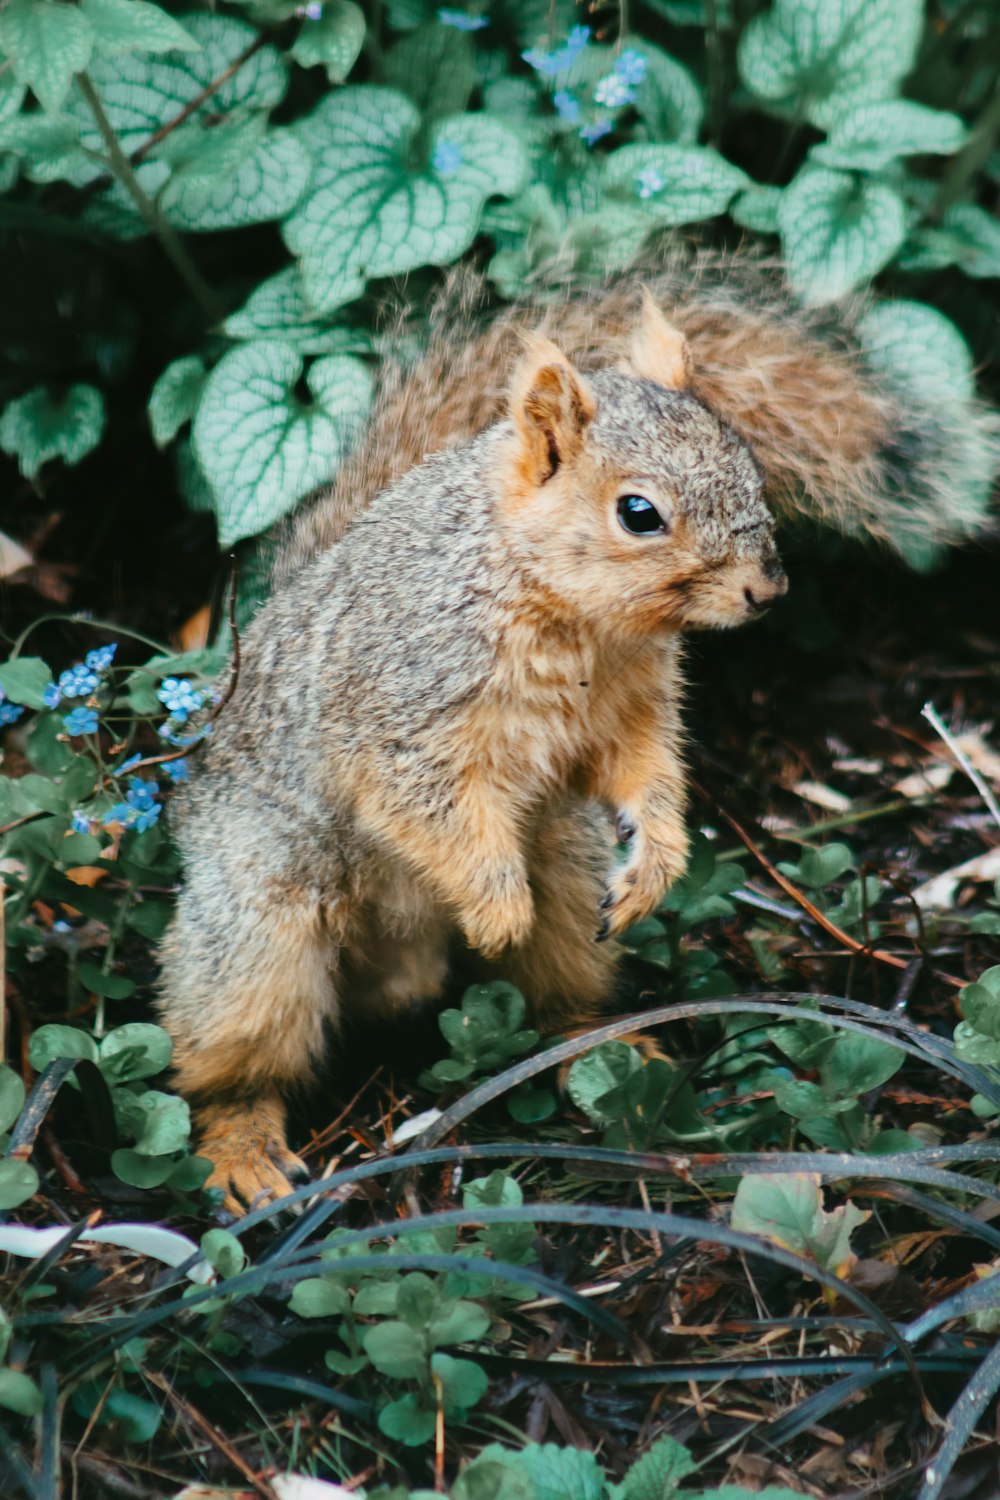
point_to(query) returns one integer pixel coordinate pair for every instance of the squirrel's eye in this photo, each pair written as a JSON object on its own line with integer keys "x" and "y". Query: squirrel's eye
{"x": 639, "y": 516}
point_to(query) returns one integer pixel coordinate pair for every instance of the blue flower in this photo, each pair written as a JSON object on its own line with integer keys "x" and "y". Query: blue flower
{"x": 141, "y": 794}
{"x": 127, "y": 765}
{"x": 567, "y": 107}
{"x": 9, "y": 712}
{"x": 101, "y": 659}
{"x": 613, "y": 92}
{"x": 447, "y": 158}
{"x": 168, "y": 732}
{"x": 120, "y": 813}
{"x": 649, "y": 181}
{"x": 77, "y": 682}
{"x": 312, "y": 11}
{"x": 146, "y": 817}
{"x": 180, "y": 696}
{"x": 550, "y": 63}
{"x": 595, "y": 131}
{"x": 461, "y": 21}
{"x": 631, "y": 66}
{"x": 176, "y": 770}
{"x": 52, "y": 696}
{"x": 79, "y": 822}
{"x": 81, "y": 721}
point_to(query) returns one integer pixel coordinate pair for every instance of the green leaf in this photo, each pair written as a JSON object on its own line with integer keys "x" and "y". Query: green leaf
{"x": 160, "y": 1122}
{"x": 463, "y": 1383}
{"x": 668, "y": 98}
{"x": 867, "y": 137}
{"x": 458, "y": 1323}
{"x": 417, "y": 1300}
{"x": 142, "y": 1171}
{"x": 408, "y": 1421}
{"x": 47, "y": 44}
{"x": 819, "y": 867}
{"x": 968, "y": 236}
{"x": 789, "y": 1210}
{"x": 333, "y": 40}
{"x": 122, "y": 26}
{"x": 673, "y": 184}
{"x": 224, "y": 1252}
{"x": 980, "y": 1002}
{"x": 140, "y": 92}
{"x": 136, "y": 1050}
{"x": 857, "y": 1063}
{"x": 597, "y": 1072}
{"x": 260, "y": 447}
{"x": 48, "y": 147}
{"x": 11, "y": 1096}
{"x": 396, "y": 1349}
{"x": 174, "y": 398}
{"x": 278, "y": 310}
{"x": 658, "y": 1472}
{"x": 49, "y": 1043}
{"x": 18, "y": 1183}
{"x": 316, "y": 1297}
{"x": 837, "y": 231}
{"x": 24, "y": 680}
{"x": 918, "y": 350}
{"x": 112, "y": 986}
{"x": 18, "y": 1392}
{"x": 435, "y": 66}
{"x": 265, "y": 183}
{"x": 815, "y": 57}
{"x": 371, "y": 211}
{"x": 757, "y": 209}
{"x": 137, "y": 1419}
{"x": 41, "y": 426}
{"x": 554, "y": 1473}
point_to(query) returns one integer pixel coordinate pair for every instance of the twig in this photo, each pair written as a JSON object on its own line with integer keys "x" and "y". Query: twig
{"x": 221, "y": 1444}
{"x": 148, "y": 211}
{"x": 930, "y": 713}
{"x": 813, "y": 911}
{"x": 195, "y": 104}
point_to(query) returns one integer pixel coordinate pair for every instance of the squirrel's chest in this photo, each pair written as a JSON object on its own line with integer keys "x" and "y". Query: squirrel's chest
{"x": 539, "y": 712}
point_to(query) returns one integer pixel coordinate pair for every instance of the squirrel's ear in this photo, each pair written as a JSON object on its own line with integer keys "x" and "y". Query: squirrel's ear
{"x": 551, "y": 405}
{"x": 657, "y": 350}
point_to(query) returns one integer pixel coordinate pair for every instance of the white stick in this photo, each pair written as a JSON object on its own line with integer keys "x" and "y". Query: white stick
{"x": 933, "y": 718}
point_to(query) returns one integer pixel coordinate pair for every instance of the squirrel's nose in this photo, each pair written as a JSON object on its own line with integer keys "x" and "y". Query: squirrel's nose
{"x": 771, "y": 586}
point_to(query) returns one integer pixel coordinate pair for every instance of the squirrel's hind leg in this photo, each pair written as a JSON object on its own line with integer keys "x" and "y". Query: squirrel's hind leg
{"x": 246, "y": 1001}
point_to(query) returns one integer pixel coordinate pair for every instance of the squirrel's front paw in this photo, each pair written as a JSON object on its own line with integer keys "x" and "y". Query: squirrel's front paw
{"x": 499, "y": 921}
{"x": 251, "y": 1162}
{"x": 634, "y": 889}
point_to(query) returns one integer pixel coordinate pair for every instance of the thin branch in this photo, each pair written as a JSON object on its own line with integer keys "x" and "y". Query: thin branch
{"x": 148, "y": 210}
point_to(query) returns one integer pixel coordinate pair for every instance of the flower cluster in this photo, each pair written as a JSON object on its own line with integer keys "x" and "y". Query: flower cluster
{"x": 649, "y": 181}
{"x": 461, "y": 20}
{"x": 447, "y": 158}
{"x": 548, "y": 64}
{"x": 81, "y": 680}
{"x": 612, "y": 92}
{"x": 140, "y": 810}
{"x": 181, "y": 697}
{"x": 9, "y": 712}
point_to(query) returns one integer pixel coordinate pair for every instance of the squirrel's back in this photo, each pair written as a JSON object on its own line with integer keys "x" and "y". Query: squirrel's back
{"x": 837, "y": 442}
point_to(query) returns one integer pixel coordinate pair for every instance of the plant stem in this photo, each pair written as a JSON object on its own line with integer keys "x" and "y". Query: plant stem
{"x": 148, "y": 210}
{"x": 970, "y": 159}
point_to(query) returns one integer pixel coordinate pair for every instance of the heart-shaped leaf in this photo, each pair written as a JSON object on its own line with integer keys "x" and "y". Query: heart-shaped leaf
{"x": 259, "y": 445}
{"x": 372, "y": 210}
{"x": 837, "y": 231}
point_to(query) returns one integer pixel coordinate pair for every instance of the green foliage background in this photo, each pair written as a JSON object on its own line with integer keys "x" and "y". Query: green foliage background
{"x": 204, "y": 214}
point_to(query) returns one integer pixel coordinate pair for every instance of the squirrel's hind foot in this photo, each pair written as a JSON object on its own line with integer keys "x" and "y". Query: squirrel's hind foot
{"x": 251, "y": 1161}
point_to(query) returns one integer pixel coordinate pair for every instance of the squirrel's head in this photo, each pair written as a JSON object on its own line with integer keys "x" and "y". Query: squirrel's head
{"x": 629, "y": 498}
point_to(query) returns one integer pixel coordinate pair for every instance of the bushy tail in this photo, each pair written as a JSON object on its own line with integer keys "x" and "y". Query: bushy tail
{"x": 843, "y": 439}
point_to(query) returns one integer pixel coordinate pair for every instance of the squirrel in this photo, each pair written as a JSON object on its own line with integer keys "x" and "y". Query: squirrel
{"x": 467, "y": 685}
